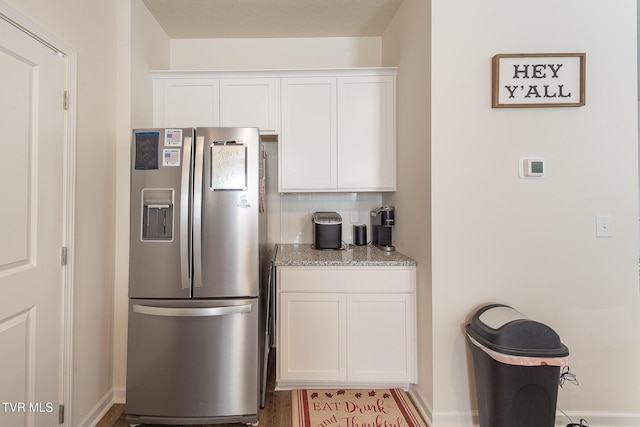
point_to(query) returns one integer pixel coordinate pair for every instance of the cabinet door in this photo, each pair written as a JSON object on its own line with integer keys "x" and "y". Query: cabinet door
{"x": 308, "y": 138}
{"x": 366, "y": 133}
{"x": 249, "y": 103}
{"x": 382, "y": 337}
{"x": 186, "y": 102}
{"x": 312, "y": 337}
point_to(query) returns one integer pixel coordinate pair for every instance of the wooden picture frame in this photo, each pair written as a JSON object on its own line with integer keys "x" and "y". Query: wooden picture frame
{"x": 538, "y": 80}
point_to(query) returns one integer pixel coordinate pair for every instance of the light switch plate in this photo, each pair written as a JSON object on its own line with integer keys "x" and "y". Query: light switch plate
{"x": 603, "y": 225}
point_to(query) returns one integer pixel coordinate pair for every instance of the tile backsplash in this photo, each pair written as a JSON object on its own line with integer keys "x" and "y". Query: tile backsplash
{"x": 289, "y": 214}
{"x": 296, "y": 210}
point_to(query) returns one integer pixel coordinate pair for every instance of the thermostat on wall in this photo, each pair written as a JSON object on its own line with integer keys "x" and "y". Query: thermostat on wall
{"x": 532, "y": 168}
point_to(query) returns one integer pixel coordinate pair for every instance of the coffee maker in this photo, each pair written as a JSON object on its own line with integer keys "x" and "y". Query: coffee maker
{"x": 382, "y": 221}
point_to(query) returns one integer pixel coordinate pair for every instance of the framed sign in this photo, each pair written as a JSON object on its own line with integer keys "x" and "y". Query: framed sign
{"x": 538, "y": 80}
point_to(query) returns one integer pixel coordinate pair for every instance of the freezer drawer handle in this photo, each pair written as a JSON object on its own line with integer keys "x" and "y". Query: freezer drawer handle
{"x": 192, "y": 312}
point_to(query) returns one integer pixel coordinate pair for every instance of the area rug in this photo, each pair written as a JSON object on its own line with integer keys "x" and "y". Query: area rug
{"x": 354, "y": 408}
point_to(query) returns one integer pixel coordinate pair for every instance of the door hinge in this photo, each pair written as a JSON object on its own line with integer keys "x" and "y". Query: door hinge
{"x": 61, "y": 414}
{"x": 63, "y": 256}
{"x": 65, "y": 100}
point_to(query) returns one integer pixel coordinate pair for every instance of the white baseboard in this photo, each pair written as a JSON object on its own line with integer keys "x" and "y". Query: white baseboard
{"x": 470, "y": 418}
{"x": 433, "y": 419}
{"x": 600, "y": 419}
{"x": 422, "y": 404}
{"x": 98, "y": 411}
{"x": 119, "y": 395}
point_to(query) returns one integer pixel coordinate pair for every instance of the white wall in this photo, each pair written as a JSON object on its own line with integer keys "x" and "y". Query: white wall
{"x": 142, "y": 46}
{"x": 150, "y": 50}
{"x": 89, "y": 28}
{"x": 407, "y": 45}
{"x": 531, "y": 243}
{"x": 287, "y": 53}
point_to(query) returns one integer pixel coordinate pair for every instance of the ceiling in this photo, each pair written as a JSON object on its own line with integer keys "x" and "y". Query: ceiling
{"x": 272, "y": 18}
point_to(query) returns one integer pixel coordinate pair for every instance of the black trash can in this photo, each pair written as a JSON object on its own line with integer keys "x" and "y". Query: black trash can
{"x": 517, "y": 364}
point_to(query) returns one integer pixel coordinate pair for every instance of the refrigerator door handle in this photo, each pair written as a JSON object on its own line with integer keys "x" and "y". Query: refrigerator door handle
{"x": 185, "y": 261}
{"x": 197, "y": 211}
{"x": 191, "y": 312}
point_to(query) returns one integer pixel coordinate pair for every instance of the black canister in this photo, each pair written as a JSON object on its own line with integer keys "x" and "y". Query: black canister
{"x": 327, "y": 230}
{"x": 360, "y": 234}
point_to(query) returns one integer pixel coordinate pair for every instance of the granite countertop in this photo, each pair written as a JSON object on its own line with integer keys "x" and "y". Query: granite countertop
{"x": 305, "y": 255}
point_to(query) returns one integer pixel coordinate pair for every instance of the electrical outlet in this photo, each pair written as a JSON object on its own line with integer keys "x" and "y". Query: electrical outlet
{"x": 353, "y": 217}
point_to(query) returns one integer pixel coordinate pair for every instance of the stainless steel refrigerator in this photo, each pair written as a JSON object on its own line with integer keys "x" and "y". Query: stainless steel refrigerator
{"x": 197, "y": 260}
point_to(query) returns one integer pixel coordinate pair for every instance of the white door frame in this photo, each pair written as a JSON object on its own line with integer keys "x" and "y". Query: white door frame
{"x": 69, "y": 55}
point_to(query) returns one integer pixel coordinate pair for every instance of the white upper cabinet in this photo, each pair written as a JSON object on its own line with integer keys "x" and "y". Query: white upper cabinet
{"x": 192, "y": 99}
{"x": 366, "y": 133}
{"x": 337, "y": 128}
{"x": 250, "y": 103}
{"x": 339, "y": 132}
{"x": 308, "y": 140}
{"x": 186, "y": 102}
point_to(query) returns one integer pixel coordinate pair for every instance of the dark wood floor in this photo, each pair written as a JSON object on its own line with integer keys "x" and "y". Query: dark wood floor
{"x": 276, "y": 412}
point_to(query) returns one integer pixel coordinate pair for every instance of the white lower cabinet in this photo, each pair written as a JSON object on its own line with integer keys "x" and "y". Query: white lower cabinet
{"x": 381, "y": 333}
{"x": 345, "y": 326}
{"x": 313, "y": 339}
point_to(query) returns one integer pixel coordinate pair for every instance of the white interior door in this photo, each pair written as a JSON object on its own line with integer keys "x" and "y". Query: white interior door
{"x": 32, "y": 85}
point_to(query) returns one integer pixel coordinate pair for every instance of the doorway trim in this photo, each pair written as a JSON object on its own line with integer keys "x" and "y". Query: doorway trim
{"x": 70, "y": 58}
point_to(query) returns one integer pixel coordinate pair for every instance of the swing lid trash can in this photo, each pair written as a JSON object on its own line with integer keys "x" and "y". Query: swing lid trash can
{"x": 504, "y": 330}
{"x": 517, "y": 364}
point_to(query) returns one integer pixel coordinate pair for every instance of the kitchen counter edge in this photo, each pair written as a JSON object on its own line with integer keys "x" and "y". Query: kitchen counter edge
{"x": 298, "y": 255}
